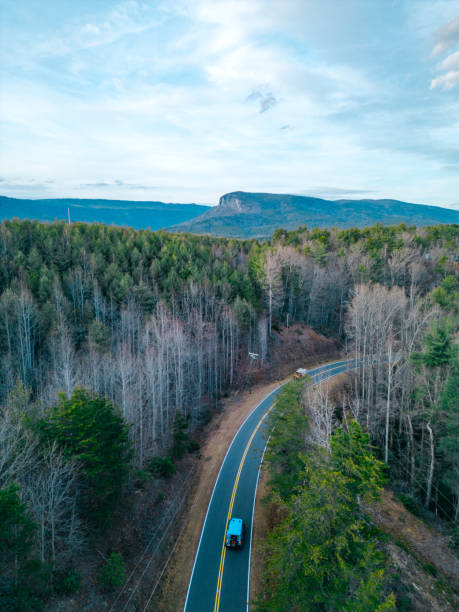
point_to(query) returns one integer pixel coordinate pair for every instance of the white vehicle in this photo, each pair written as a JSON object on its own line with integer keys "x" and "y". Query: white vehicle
{"x": 300, "y": 373}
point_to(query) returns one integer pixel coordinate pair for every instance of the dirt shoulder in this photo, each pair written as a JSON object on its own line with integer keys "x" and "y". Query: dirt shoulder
{"x": 427, "y": 569}
{"x": 220, "y": 434}
{"x": 425, "y": 543}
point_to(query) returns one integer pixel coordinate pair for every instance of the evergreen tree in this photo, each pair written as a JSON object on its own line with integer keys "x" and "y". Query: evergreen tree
{"x": 447, "y": 295}
{"x": 353, "y": 458}
{"x": 23, "y": 580}
{"x": 324, "y": 554}
{"x": 93, "y": 434}
{"x": 448, "y": 445}
{"x": 285, "y": 455}
{"x": 439, "y": 347}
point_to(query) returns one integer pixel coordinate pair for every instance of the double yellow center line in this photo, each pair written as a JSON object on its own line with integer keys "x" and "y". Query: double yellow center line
{"x": 230, "y": 510}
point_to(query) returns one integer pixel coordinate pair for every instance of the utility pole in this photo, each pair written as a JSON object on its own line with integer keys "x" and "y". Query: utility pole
{"x": 68, "y": 213}
{"x": 253, "y": 358}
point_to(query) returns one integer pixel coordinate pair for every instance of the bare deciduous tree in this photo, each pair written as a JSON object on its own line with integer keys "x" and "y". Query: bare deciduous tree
{"x": 273, "y": 284}
{"x": 50, "y": 490}
{"x": 18, "y": 445}
{"x": 321, "y": 414}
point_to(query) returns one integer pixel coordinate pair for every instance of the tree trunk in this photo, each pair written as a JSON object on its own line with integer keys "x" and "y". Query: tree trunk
{"x": 389, "y": 381}
{"x": 431, "y": 466}
{"x": 412, "y": 459}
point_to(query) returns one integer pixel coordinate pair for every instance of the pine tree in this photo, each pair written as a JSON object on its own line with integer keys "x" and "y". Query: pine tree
{"x": 93, "y": 434}
{"x": 448, "y": 445}
{"x": 439, "y": 348}
{"x": 23, "y": 580}
{"x": 324, "y": 555}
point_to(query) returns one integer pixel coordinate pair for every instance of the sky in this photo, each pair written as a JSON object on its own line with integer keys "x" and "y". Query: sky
{"x": 185, "y": 100}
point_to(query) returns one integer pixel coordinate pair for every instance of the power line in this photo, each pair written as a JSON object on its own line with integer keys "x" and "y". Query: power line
{"x": 421, "y": 486}
{"x": 164, "y": 519}
{"x": 151, "y": 558}
{"x": 164, "y": 568}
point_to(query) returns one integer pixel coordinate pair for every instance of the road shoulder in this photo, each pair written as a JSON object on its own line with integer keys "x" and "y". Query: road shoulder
{"x": 222, "y": 431}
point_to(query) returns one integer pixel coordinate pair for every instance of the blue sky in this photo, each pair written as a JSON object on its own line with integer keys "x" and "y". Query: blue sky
{"x": 184, "y": 100}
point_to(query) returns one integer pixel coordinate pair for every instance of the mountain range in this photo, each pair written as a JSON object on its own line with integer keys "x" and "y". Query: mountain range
{"x": 257, "y": 215}
{"x": 139, "y": 215}
{"x": 239, "y": 214}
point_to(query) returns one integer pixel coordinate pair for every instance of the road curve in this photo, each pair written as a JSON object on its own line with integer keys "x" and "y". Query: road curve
{"x": 220, "y": 579}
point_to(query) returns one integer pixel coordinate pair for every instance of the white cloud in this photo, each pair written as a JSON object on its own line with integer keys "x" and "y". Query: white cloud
{"x": 183, "y": 100}
{"x": 446, "y": 81}
{"x": 90, "y": 29}
{"x": 451, "y": 62}
{"x": 446, "y": 38}
{"x": 125, "y": 18}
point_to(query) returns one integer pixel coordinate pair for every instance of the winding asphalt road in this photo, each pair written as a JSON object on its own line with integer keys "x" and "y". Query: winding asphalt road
{"x": 220, "y": 578}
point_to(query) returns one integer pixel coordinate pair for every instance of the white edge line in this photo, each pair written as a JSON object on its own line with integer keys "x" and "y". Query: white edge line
{"x": 251, "y": 526}
{"x": 219, "y": 471}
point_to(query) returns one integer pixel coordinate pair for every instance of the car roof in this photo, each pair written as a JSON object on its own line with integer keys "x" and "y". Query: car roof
{"x": 235, "y": 526}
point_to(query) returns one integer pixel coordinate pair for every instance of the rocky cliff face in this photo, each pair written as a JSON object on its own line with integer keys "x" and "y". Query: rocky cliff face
{"x": 231, "y": 201}
{"x": 239, "y": 202}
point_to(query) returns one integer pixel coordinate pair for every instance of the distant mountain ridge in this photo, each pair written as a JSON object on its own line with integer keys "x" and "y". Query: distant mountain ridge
{"x": 239, "y": 214}
{"x": 139, "y": 215}
{"x": 256, "y": 215}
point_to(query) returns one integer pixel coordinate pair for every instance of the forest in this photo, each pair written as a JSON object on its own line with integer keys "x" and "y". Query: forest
{"x": 394, "y": 421}
{"x": 146, "y": 330}
{"x": 322, "y": 553}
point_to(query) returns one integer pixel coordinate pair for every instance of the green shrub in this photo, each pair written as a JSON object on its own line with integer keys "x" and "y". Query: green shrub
{"x": 34, "y": 589}
{"x": 193, "y": 446}
{"x": 161, "y": 467}
{"x": 142, "y": 477}
{"x": 113, "y": 573}
{"x": 66, "y": 582}
{"x": 410, "y": 504}
{"x": 402, "y": 595}
{"x": 430, "y": 569}
{"x": 180, "y": 437}
{"x": 205, "y": 416}
{"x": 454, "y": 539}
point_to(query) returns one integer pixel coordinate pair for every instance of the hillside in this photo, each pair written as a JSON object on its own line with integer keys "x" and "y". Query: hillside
{"x": 139, "y": 215}
{"x": 257, "y": 215}
{"x": 238, "y": 214}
